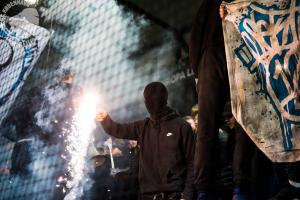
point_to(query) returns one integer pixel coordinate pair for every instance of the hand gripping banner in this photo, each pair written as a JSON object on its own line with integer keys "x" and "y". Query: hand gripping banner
{"x": 21, "y": 44}
{"x": 262, "y": 49}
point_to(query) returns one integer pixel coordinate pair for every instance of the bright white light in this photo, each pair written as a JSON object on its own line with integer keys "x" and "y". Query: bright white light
{"x": 78, "y": 140}
{"x": 87, "y": 111}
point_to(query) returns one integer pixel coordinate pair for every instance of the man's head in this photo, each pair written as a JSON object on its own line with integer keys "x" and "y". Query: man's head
{"x": 228, "y": 116}
{"x": 156, "y": 97}
{"x": 67, "y": 76}
{"x": 68, "y": 79}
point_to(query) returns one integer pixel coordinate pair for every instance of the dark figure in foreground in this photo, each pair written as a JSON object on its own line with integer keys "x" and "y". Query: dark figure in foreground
{"x": 166, "y": 147}
{"x": 207, "y": 56}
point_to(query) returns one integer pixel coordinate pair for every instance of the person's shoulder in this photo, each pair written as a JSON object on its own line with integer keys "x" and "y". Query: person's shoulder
{"x": 180, "y": 121}
{"x": 185, "y": 124}
{"x": 142, "y": 121}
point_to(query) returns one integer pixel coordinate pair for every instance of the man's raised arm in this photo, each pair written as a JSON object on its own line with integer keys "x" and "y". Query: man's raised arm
{"x": 129, "y": 131}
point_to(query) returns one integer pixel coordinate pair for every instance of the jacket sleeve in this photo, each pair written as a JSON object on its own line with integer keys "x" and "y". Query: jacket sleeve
{"x": 128, "y": 131}
{"x": 188, "y": 139}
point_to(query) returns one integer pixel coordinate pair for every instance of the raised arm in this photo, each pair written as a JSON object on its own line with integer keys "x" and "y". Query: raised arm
{"x": 129, "y": 131}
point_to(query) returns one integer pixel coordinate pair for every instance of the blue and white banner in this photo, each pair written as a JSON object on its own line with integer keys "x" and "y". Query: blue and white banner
{"x": 262, "y": 49}
{"x": 21, "y": 44}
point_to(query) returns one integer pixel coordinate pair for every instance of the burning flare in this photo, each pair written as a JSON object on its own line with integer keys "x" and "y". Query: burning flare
{"x": 78, "y": 140}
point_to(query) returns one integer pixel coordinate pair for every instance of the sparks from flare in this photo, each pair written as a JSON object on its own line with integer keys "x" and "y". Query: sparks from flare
{"x": 78, "y": 140}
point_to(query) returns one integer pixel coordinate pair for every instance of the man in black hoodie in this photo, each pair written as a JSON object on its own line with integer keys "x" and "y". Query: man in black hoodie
{"x": 166, "y": 147}
{"x": 208, "y": 60}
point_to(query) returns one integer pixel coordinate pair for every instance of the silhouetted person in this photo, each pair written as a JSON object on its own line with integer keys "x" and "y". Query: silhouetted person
{"x": 208, "y": 60}
{"x": 166, "y": 147}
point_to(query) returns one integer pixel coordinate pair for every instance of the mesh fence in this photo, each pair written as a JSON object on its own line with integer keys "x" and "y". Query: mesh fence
{"x": 112, "y": 48}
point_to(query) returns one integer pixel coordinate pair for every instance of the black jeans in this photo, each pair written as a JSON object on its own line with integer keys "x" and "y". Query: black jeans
{"x": 161, "y": 196}
{"x": 213, "y": 93}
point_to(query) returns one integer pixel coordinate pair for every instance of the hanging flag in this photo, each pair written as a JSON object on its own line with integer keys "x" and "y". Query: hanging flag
{"x": 262, "y": 50}
{"x": 21, "y": 44}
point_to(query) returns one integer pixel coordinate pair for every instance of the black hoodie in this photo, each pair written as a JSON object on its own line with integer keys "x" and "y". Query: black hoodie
{"x": 166, "y": 152}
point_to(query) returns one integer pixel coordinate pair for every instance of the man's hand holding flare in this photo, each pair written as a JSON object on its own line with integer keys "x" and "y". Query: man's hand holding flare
{"x": 101, "y": 116}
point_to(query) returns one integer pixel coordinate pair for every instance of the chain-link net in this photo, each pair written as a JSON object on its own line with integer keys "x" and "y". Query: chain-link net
{"x": 110, "y": 47}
